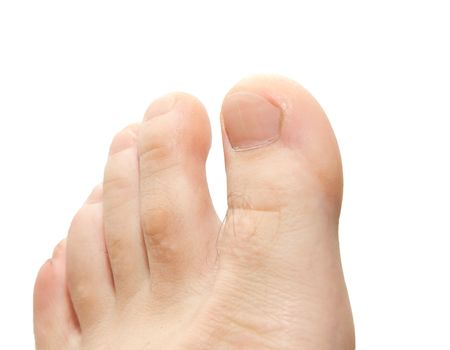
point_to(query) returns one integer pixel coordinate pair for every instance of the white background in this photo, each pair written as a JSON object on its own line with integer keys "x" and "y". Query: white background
{"x": 74, "y": 73}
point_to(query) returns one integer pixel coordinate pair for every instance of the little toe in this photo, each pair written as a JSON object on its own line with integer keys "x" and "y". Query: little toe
{"x": 89, "y": 277}
{"x": 178, "y": 219}
{"x": 55, "y": 323}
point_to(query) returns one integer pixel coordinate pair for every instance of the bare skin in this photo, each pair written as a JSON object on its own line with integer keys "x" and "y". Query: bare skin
{"x": 147, "y": 263}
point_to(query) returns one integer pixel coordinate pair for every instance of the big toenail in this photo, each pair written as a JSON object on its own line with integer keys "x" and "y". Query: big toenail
{"x": 250, "y": 120}
{"x": 161, "y": 106}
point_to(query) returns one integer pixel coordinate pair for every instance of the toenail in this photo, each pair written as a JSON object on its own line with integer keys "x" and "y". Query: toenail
{"x": 160, "y": 106}
{"x": 250, "y": 120}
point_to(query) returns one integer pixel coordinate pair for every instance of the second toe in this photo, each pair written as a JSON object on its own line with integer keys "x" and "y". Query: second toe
{"x": 178, "y": 220}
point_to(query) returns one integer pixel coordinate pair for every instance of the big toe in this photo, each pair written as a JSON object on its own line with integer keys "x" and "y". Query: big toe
{"x": 282, "y": 161}
{"x": 278, "y": 139}
{"x": 284, "y": 196}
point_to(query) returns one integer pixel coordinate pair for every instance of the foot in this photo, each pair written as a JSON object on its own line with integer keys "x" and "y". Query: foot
{"x": 148, "y": 264}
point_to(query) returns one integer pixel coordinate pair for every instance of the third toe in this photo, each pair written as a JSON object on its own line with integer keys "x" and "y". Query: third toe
{"x": 123, "y": 235}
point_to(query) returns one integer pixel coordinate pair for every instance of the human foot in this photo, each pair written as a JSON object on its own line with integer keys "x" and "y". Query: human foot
{"x": 148, "y": 264}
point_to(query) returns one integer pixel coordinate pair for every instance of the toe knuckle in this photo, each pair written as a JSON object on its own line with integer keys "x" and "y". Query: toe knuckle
{"x": 157, "y": 158}
{"x": 160, "y": 229}
{"x": 115, "y": 245}
{"x": 156, "y": 223}
{"x": 118, "y": 184}
{"x": 82, "y": 293}
{"x": 157, "y": 150}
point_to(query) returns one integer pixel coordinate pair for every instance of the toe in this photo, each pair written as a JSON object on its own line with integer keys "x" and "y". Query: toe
{"x": 123, "y": 236}
{"x": 178, "y": 219}
{"x": 282, "y": 162}
{"x": 278, "y": 138}
{"x": 89, "y": 277}
{"x": 55, "y": 323}
{"x": 284, "y": 195}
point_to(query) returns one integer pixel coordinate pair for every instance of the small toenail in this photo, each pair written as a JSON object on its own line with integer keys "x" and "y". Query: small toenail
{"x": 250, "y": 120}
{"x": 161, "y": 106}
